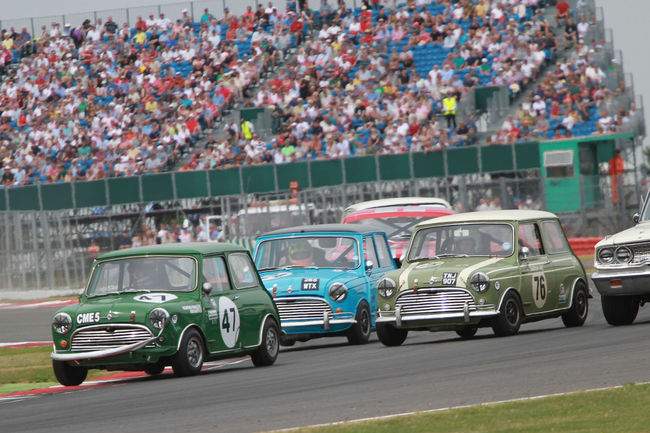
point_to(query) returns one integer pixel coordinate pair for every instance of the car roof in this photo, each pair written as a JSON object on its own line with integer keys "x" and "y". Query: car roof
{"x": 185, "y": 248}
{"x": 398, "y": 201}
{"x": 492, "y": 215}
{"x": 398, "y": 211}
{"x": 326, "y": 228}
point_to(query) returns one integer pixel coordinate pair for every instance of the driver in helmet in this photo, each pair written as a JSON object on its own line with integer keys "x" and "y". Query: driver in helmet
{"x": 140, "y": 275}
{"x": 465, "y": 245}
{"x": 301, "y": 253}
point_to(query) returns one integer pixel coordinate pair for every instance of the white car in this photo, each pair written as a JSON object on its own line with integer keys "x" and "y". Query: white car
{"x": 622, "y": 276}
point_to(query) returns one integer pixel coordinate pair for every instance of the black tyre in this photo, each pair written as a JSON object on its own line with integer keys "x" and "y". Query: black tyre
{"x": 466, "y": 331}
{"x": 69, "y": 375}
{"x": 267, "y": 352}
{"x": 360, "y": 331}
{"x": 154, "y": 369}
{"x": 577, "y": 314}
{"x": 619, "y": 310}
{"x": 189, "y": 358}
{"x": 286, "y": 341}
{"x": 391, "y": 336}
{"x": 510, "y": 317}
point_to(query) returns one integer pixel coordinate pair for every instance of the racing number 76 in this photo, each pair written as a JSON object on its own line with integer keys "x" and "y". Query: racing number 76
{"x": 540, "y": 287}
{"x": 225, "y": 323}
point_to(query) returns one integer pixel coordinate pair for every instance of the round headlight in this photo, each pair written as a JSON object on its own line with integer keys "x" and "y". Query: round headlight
{"x": 623, "y": 254}
{"x": 159, "y": 318}
{"x": 386, "y": 287}
{"x": 606, "y": 255}
{"x": 480, "y": 282}
{"x": 62, "y": 323}
{"x": 338, "y": 292}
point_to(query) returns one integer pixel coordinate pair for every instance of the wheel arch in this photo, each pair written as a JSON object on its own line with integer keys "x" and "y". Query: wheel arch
{"x": 186, "y": 330}
{"x": 263, "y": 322}
{"x": 516, "y": 292}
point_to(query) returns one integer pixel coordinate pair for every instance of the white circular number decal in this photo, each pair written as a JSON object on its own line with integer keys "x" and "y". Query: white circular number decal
{"x": 539, "y": 290}
{"x": 228, "y": 321}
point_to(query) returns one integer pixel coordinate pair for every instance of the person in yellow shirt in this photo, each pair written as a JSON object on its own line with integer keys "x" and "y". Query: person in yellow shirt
{"x": 449, "y": 109}
{"x": 140, "y": 37}
{"x": 7, "y": 43}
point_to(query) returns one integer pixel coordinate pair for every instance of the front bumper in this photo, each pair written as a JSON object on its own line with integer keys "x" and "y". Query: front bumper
{"x": 623, "y": 281}
{"x": 326, "y": 323}
{"x": 396, "y": 318}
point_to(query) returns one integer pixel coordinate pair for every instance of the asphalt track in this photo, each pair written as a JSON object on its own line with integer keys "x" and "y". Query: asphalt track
{"x": 326, "y": 380}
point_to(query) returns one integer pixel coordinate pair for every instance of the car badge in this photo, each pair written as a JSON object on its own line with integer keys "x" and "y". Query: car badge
{"x": 109, "y": 316}
{"x": 433, "y": 280}
{"x": 289, "y": 290}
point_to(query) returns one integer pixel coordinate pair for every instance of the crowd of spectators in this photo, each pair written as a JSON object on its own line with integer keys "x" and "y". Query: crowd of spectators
{"x": 103, "y": 99}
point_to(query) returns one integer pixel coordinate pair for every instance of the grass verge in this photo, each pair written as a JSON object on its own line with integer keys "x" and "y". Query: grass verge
{"x": 616, "y": 410}
{"x": 25, "y": 368}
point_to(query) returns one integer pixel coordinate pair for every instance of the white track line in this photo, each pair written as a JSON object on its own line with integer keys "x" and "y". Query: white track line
{"x": 442, "y": 409}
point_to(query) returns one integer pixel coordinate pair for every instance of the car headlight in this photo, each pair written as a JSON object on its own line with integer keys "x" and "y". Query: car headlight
{"x": 606, "y": 255}
{"x": 480, "y": 282}
{"x": 623, "y": 255}
{"x": 386, "y": 287}
{"x": 338, "y": 292}
{"x": 62, "y": 323}
{"x": 159, "y": 318}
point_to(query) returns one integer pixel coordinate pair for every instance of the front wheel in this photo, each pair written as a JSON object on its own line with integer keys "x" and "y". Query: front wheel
{"x": 510, "y": 317}
{"x": 68, "y": 375}
{"x": 189, "y": 358}
{"x": 391, "y": 336}
{"x": 360, "y": 331}
{"x": 466, "y": 332}
{"x": 268, "y": 350}
{"x": 577, "y": 314}
{"x": 154, "y": 369}
{"x": 619, "y": 310}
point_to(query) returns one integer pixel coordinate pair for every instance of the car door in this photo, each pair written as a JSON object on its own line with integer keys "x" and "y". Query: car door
{"x": 247, "y": 307}
{"x": 537, "y": 291}
{"x": 375, "y": 272}
{"x": 222, "y": 323}
{"x": 562, "y": 262}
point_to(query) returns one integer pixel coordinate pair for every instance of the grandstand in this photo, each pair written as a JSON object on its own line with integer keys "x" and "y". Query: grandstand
{"x": 103, "y": 99}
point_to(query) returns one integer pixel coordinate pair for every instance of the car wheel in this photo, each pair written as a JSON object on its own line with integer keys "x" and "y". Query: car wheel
{"x": 466, "y": 331}
{"x": 577, "y": 314}
{"x": 391, "y": 336}
{"x": 360, "y": 331}
{"x": 68, "y": 375}
{"x": 189, "y": 358}
{"x": 619, "y": 310}
{"x": 154, "y": 369}
{"x": 510, "y": 316}
{"x": 267, "y": 352}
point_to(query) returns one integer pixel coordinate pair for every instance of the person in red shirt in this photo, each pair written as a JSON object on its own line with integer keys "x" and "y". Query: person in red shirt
{"x": 616, "y": 170}
{"x": 141, "y": 25}
{"x": 562, "y": 10}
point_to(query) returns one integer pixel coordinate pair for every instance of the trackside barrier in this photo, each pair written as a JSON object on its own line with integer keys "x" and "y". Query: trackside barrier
{"x": 583, "y": 246}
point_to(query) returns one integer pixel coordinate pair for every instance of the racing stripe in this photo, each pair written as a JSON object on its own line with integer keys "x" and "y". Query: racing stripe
{"x": 465, "y": 273}
{"x": 404, "y": 277}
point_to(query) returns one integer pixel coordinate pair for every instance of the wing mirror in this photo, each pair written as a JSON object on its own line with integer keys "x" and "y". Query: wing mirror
{"x": 524, "y": 253}
{"x": 369, "y": 265}
{"x": 636, "y": 217}
{"x": 207, "y": 288}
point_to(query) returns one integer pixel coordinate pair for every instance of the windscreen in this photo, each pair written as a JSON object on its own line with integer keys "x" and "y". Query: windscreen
{"x": 464, "y": 240}
{"x": 143, "y": 274}
{"x": 307, "y": 252}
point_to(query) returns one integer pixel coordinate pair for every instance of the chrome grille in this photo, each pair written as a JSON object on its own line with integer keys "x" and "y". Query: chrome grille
{"x": 107, "y": 337}
{"x": 302, "y": 308}
{"x": 432, "y": 302}
{"x": 641, "y": 252}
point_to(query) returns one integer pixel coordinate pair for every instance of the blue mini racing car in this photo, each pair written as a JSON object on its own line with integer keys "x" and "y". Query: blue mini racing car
{"x": 323, "y": 279}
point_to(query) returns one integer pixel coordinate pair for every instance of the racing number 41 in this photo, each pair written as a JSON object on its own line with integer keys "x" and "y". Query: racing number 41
{"x": 540, "y": 287}
{"x": 226, "y": 322}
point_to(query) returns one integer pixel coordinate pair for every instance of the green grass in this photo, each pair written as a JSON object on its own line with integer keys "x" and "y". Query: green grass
{"x": 618, "y": 410}
{"x": 24, "y": 368}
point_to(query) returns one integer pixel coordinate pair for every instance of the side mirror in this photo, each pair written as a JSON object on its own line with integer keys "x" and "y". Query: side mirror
{"x": 207, "y": 288}
{"x": 636, "y": 217}
{"x": 369, "y": 265}
{"x": 524, "y": 252}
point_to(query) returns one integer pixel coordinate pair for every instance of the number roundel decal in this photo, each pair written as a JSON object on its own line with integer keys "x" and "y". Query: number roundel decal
{"x": 228, "y": 321}
{"x": 539, "y": 290}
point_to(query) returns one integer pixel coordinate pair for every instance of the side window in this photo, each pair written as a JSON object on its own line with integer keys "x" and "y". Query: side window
{"x": 554, "y": 239}
{"x": 242, "y": 271}
{"x": 369, "y": 251}
{"x": 215, "y": 273}
{"x": 383, "y": 252}
{"x": 529, "y": 237}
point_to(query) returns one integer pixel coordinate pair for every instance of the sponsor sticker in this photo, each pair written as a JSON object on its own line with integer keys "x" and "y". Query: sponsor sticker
{"x": 193, "y": 309}
{"x": 449, "y": 278}
{"x": 310, "y": 283}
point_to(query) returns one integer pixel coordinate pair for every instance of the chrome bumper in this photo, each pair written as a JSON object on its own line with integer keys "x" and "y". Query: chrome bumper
{"x": 96, "y": 354}
{"x": 627, "y": 281}
{"x": 325, "y": 322}
{"x": 397, "y": 318}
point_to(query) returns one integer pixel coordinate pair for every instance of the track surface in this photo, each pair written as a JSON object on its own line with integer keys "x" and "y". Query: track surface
{"x": 326, "y": 380}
